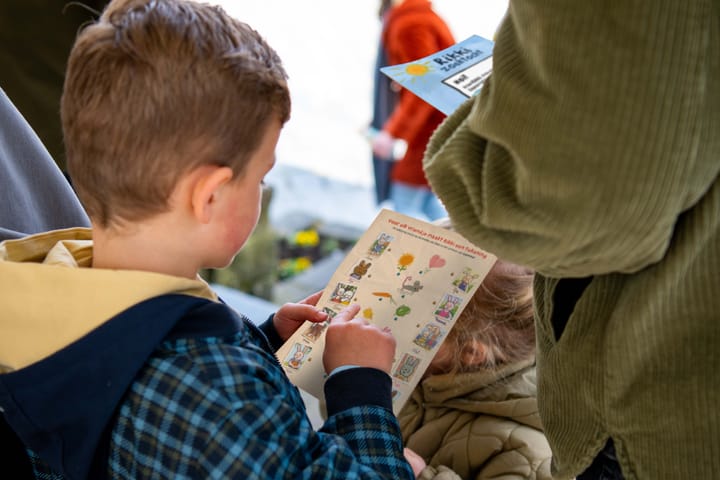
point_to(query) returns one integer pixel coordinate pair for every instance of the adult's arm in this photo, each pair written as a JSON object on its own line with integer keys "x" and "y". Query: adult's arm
{"x": 34, "y": 194}
{"x": 597, "y": 129}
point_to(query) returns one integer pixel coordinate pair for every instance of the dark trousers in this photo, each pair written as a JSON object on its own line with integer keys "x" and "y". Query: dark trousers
{"x": 605, "y": 466}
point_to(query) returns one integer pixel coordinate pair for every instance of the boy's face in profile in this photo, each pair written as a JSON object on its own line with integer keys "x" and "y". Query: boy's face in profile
{"x": 240, "y": 201}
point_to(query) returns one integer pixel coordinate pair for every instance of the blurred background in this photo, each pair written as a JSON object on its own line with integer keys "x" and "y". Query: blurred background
{"x": 322, "y": 186}
{"x": 329, "y": 48}
{"x": 321, "y": 193}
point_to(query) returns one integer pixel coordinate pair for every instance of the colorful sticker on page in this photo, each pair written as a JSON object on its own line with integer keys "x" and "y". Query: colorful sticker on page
{"x": 407, "y": 367}
{"x": 465, "y": 282}
{"x": 381, "y": 243}
{"x": 429, "y": 337}
{"x": 313, "y": 332}
{"x": 297, "y": 356}
{"x": 359, "y": 270}
{"x": 343, "y": 294}
{"x": 447, "y": 309}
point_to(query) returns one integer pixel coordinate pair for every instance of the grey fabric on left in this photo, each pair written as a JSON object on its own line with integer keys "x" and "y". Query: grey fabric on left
{"x": 34, "y": 194}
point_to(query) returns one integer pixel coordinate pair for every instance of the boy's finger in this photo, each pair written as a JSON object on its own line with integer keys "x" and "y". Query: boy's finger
{"x": 312, "y": 299}
{"x": 301, "y": 312}
{"x": 346, "y": 314}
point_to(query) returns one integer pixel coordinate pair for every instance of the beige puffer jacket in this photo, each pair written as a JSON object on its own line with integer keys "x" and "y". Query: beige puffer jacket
{"x": 478, "y": 425}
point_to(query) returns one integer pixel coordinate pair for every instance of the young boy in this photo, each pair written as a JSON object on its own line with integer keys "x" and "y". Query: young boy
{"x": 116, "y": 360}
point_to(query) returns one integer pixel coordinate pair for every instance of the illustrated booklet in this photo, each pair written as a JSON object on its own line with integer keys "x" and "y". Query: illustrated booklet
{"x": 449, "y": 77}
{"x": 410, "y": 276}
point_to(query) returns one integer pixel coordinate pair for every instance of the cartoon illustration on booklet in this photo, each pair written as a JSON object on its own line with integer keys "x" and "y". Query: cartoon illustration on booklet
{"x": 408, "y": 275}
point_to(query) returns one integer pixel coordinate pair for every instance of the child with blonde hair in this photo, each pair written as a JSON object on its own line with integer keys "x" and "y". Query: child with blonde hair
{"x": 474, "y": 414}
{"x": 116, "y": 359}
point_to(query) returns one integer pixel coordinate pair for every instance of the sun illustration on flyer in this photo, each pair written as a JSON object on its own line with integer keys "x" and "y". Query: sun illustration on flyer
{"x": 411, "y": 71}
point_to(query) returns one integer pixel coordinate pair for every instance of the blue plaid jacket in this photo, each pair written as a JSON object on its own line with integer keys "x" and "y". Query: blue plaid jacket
{"x": 211, "y": 401}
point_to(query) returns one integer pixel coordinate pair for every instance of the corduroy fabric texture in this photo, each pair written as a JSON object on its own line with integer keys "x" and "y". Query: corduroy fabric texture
{"x": 593, "y": 151}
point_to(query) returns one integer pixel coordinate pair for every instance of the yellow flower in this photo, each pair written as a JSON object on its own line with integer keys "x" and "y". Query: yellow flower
{"x": 406, "y": 259}
{"x": 307, "y": 238}
{"x": 302, "y": 263}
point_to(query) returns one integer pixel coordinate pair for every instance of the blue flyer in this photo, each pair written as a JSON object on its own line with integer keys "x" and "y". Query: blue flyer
{"x": 449, "y": 77}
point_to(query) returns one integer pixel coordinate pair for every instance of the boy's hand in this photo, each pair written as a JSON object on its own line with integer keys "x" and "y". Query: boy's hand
{"x": 354, "y": 341}
{"x": 416, "y": 461}
{"x": 290, "y": 316}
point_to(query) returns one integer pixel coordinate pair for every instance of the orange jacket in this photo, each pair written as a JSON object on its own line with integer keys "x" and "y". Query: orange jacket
{"x": 413, "y": 30}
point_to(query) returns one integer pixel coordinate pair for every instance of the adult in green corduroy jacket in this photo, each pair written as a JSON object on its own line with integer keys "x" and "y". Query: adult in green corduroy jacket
{"x": 592, "y": 156}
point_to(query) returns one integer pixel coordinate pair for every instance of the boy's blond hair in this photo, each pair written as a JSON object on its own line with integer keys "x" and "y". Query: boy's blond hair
{"x": 156, "y": 88}
{"x": 500, "y": 316}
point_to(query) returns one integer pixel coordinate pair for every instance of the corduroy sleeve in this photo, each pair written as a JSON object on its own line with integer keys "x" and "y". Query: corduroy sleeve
{"x": 590, "y": 139}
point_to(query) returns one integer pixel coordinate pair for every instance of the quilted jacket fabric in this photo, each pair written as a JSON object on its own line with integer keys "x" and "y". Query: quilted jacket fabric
{"x": 478, "y": 425}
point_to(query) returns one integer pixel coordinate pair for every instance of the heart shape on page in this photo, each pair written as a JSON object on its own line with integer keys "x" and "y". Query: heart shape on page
{"x": 436, "y": 261}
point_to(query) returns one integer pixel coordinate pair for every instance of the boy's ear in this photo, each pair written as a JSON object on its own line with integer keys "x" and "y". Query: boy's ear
{"x": 206, "y": 189}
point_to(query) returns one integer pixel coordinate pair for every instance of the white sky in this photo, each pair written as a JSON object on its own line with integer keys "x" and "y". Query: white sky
{"x": 328, "y": 48}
